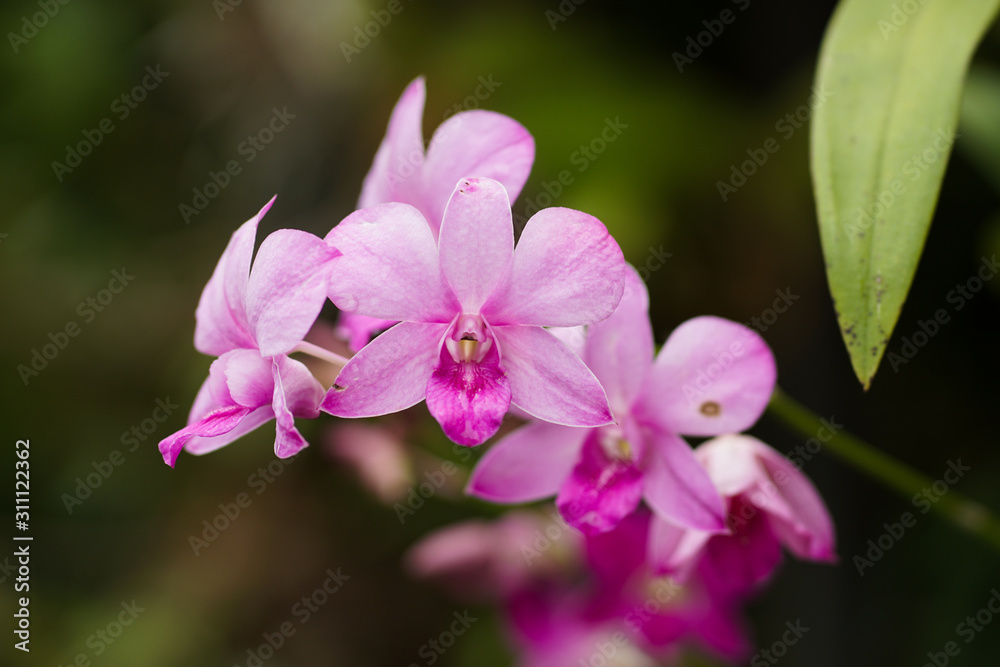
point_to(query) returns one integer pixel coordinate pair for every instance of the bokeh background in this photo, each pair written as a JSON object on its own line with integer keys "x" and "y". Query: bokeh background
{"x": 230, "y": 65}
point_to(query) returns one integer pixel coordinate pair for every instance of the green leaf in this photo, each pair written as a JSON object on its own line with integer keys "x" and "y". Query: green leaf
{"x": 888, "y": 91}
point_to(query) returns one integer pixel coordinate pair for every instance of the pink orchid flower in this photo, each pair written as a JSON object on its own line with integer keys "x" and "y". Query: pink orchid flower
{"x": 712, "y": 376}
{"x": 251, "y": 320}
{"x": 659, "y": 612}
{"x": 770, "y": 504}
{"x": 480, "y": 142}
{"x": 558, "y": 626}
{"x": 471, "y": 309}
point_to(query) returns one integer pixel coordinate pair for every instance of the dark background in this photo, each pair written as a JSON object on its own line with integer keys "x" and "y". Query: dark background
{"x": 654, "y": 186}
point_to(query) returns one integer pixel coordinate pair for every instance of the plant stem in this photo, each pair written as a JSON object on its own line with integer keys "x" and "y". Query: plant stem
{"x": 966, "y": 513}
{"x": 321, "y": 353}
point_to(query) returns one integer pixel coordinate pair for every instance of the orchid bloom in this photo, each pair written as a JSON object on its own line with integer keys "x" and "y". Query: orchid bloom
{"x": 471, "y": 309}
{"x": 480, "y": 142}
{"x": 251, "y": 320}
{"x": 659, "y": 612}
{"x": 712, "y": 376}
{"x": 558, "y": 626}
{"x": 770, "y": 503}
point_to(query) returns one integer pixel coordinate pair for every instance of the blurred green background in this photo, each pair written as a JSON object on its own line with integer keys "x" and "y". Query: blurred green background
{"x": 228, "y": 66}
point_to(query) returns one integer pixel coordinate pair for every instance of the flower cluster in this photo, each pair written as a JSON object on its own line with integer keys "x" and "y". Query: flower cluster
{"x": 438, "y": 303}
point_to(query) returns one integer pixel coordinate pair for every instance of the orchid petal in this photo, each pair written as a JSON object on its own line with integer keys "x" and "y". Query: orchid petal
{"x": 248, "y": 377}
{"x": 731, "y": 462}
{"x": 390, "y": 267}
{"x": 619, "y": 350}
{"x": 617, "y": 555}
{"x": 287, "y": 288}
{"x": 401, "y": 153}
{"x": 808, "y": 531}
{"x": 548, "y": 381}
{"x": 712, "y": 376}
{"x": 295, "y": 390}
{"x": 303, "y": 392}
{"x": 677, "y": 487}
{"x": 475, "y": 143}
{"x": 213, "y": 393}
{"x": 476, "y": 241}
{"x": 567, "y": 270}
{"x": 203, "y": 445}
{"x": 600, "y": 491}
{"x": 219, "y": 421}
{"x": 389, "y": 374}
{"x": 736, "y": 565}
{"x": 221, "y": 313}
{"x": 528, "y": 464}
{"x": 675, "y": 549}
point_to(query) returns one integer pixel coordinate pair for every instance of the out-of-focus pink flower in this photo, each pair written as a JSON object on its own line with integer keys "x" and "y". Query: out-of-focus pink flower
{"x": 470, "y": 143}
{"x": 252, "y": 319}
{"x": 712, "y": 376}
{"x": 471, "y": 310}
{"x": 553, "y": 626}
{"x": 494, "y": 560}
{"x": 376, "y": 454}
{"x": 659, "y": 613}
{"x": 770, "y": 504}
